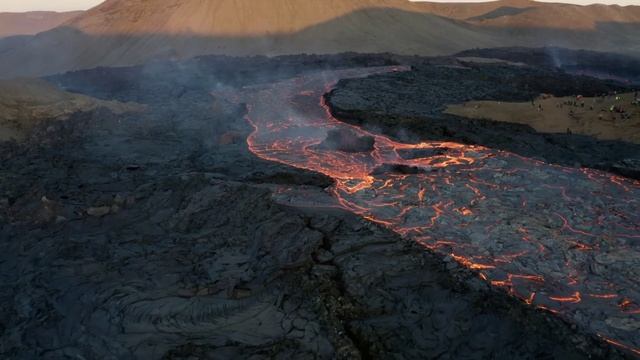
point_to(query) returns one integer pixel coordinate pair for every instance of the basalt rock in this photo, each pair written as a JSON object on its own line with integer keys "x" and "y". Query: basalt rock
{"x": 347, "y": 141}
{"x": 398, "y": 169}
{"x": 201, "y": 261}
{"x": 409, "y": 105}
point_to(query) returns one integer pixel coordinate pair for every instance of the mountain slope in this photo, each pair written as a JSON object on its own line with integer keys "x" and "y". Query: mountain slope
{"x": 126, "y": 32}
{"x": 562, "y": 16}
{"x": 220, "y": 17}
{"x": 30, "y": 23}
{"x": 464, "y": 11}
{"x": 532, "y": 14}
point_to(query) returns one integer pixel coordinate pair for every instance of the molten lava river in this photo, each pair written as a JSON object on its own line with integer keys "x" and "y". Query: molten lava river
{"x": 560, "y": 239}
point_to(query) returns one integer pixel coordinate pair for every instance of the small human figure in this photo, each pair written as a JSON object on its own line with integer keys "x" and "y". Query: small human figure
{"x": 421, "y": 193}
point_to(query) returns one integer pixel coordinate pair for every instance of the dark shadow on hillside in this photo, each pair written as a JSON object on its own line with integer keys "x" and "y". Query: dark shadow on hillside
{"x": 366, "y": 31}
{"x": 500, "y": 12}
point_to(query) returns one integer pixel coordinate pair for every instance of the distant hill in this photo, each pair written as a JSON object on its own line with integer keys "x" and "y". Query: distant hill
{"x": 31, "y": 23}
{"x": 24, "y": 103}
{"x": 126, "y": 32}
{"x": 560, "y": 16}
{"x": 532, "y": 14}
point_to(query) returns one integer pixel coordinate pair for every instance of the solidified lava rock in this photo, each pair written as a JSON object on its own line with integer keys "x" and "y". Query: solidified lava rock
{"x": 409, "y": 105}
{"x": 627, "y": 167}
{"x": 575, "y": 61}
{"x": 293, "y": 177}
{"x": 347, "y": 141}
{"x": 410, "y": 154}
{"x": 397, "y": 169}
{"x": 316, "y": 285}
{"x": 199, "y": 262}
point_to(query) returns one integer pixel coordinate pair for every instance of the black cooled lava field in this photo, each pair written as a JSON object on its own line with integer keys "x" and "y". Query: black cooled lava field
{"x": 317, "y": 207}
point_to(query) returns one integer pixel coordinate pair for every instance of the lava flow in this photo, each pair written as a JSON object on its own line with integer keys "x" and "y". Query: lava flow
{"x": 561, "y": 239}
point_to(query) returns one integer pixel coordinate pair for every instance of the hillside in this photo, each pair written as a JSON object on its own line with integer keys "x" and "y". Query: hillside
{"x": 31, "y": 23}
{"x": 120, "y": 32}
{"x": 235, "y": 18}
{"x": 532, "y": 14}
{"x": 24, "y": 103}
{"x": 559, "y": 16}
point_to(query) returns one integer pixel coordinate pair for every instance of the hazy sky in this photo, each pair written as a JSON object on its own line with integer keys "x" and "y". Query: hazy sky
{"x": 57, "y": 5}
{"x": 65, "y": 5}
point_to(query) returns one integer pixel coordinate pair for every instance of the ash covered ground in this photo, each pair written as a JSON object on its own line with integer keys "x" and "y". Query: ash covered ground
{"x": 157, "y": 235}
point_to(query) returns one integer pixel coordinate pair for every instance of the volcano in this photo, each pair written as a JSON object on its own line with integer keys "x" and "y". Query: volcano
{"x": 118, "y": 32}
{"x": 321, "y": 204}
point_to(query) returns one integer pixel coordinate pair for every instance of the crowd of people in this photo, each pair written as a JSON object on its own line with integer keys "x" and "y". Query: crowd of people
{"x": 616, "y": 109}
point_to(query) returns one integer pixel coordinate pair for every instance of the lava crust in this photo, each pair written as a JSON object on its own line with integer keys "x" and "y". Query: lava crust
{"x": 161, "y": 234}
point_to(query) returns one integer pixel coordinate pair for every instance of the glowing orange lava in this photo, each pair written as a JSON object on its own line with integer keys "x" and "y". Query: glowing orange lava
{"x": 560, "y": 239}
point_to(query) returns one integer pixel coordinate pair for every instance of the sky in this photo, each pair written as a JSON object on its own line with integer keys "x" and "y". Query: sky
{"x": 66, "y": 5}
{"x": 52, "y": 5}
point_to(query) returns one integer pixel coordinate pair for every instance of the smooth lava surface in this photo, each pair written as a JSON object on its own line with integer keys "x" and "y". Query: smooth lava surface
{"x": 561, "y": 239}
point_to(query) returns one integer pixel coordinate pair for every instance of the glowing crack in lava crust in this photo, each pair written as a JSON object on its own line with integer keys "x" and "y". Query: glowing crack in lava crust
{"x": 561, "y": 239}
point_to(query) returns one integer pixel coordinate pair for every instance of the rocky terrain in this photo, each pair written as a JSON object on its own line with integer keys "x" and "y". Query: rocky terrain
{"x": 560, "y": 239}
{"x": 25, "y": 103}
{"x": 410, "y": 106}
{"x": 580, "y": 62}
{"x": 158, "y": 234}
